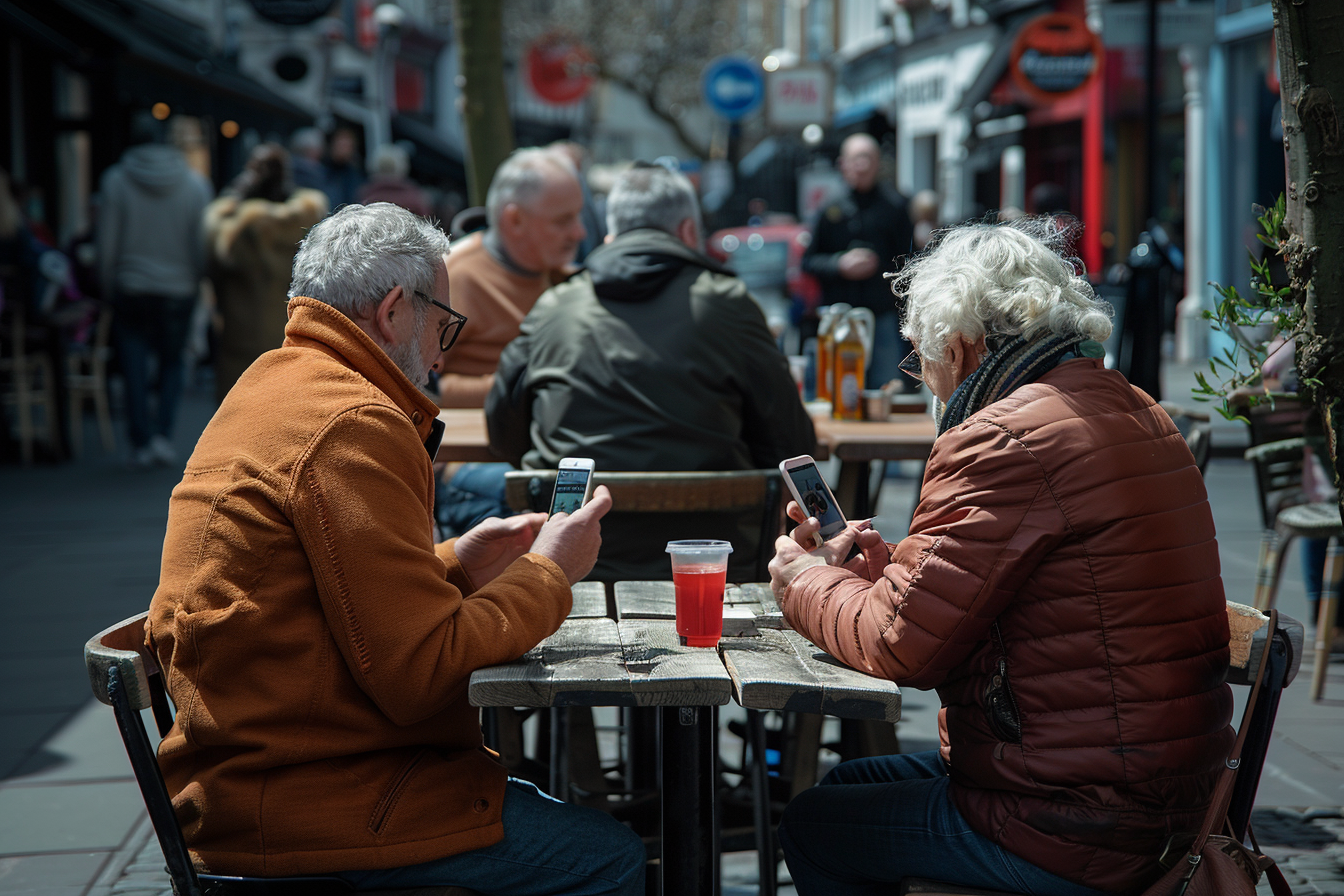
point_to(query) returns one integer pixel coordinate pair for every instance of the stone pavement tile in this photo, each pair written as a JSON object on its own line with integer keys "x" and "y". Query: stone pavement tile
{"x": 88, "y": 747}
{"x": 37, "y": 683}
{"x": 67, "y": 817}
{"x": 50, "y": 874}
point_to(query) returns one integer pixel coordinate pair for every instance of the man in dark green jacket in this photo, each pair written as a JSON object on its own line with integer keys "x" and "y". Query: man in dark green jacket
{"x": 654, "y": 358}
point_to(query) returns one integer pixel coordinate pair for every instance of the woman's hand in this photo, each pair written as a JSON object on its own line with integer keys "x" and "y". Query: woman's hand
{"x": 797, "y": 551}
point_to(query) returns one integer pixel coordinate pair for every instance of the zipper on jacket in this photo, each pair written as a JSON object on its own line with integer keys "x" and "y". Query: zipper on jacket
{"x": 393, "y": 795}
{"x": 1000, "y": 704}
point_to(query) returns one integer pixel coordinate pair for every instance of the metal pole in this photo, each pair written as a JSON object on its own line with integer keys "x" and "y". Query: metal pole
{"x": 690, "y": 820}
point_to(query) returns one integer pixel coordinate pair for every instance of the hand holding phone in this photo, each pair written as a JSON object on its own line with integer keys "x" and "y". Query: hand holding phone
{"x": 573, "y": 484}
{"x": 813, "y": 495}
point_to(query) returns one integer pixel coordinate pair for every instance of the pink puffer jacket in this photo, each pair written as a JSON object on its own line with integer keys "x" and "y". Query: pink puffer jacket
{"x": 1063, "y": 549}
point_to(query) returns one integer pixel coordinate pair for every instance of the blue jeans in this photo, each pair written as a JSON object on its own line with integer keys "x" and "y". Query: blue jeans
{"x": 147, "y": 325}
{"x": 475, "y": 492}
{"x": 549, "y": 848}
{"x": 872, "y": 822}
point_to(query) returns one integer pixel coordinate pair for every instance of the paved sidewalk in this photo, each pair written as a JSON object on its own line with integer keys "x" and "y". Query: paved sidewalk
{"x": 79, "y": 550}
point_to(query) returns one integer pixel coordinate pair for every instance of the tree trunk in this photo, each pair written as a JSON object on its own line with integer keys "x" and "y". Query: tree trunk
{"x": 1310, "y": 39}
{"x": 485, "y": 102}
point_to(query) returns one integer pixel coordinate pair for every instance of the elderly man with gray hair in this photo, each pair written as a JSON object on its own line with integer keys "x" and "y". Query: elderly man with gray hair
{"x": 318, "y": 643}
{"x": 534, "y": 207}
{"x": 653, "y": 358}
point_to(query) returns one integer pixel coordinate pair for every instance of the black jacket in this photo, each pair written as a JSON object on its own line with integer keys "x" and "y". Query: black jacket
{"x": 653, "y": 358}
{"x": 877, "y": 220}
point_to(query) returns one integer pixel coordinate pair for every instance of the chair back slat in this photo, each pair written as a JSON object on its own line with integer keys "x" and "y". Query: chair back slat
{"x": 755, "y": 495}
{"x": 680, "y": 492}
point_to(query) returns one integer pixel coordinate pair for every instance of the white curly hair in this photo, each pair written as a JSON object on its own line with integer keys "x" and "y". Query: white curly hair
{"x": 992, "y": 280}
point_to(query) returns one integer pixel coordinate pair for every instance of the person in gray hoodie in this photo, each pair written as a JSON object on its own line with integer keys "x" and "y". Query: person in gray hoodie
{"x": 150, "y": 261}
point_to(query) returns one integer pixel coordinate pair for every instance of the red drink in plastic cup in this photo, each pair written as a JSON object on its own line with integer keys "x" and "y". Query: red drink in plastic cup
{"x": 699, "y": 571}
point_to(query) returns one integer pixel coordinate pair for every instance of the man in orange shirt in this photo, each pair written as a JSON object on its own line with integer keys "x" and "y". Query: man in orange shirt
{"x": 318, "y": 642}
{"x": 534, "y": 209}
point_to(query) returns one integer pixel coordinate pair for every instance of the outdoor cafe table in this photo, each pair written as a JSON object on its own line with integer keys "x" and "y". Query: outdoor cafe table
{"x": 637, "y": 660}
{"x": 855, "y": 443}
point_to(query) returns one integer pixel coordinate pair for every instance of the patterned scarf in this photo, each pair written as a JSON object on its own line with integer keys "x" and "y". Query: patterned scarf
{"x": 1014, "y": 363}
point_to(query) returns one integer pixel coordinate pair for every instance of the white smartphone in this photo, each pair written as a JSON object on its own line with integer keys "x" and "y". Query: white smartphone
{"x": 573, "y": 484}
{"x": 812, "y": 494}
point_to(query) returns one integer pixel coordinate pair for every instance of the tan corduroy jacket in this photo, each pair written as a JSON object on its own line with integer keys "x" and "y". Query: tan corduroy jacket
{"x": 1060, "y": 588}
{"x": 317, "y": 642}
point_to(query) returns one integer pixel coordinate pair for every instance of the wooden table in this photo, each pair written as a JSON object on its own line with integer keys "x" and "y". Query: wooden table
{"x": 856, "y": 443}
{"x": 637, "y": 660}
{"x": 464, "y": 436}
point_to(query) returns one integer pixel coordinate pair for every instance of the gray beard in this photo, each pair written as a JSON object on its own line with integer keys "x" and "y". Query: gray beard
{"x": 406, "y": 356}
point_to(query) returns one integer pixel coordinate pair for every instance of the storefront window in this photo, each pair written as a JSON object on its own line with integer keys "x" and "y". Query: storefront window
{"x": 1253, "y": 160}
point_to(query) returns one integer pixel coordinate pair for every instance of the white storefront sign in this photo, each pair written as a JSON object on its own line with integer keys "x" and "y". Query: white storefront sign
{"x": 798, "y": 96}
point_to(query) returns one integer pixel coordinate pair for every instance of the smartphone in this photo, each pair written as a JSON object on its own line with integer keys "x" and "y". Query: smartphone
{"x": 573, "y": 484}
{"x": 812, "y": 494}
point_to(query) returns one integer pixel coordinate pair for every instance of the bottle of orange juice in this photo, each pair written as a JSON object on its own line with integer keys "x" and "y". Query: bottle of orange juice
{"x": 848, "y": 365}
{"x": 827, "y": 317}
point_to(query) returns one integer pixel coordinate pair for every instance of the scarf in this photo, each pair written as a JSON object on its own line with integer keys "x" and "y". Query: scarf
{"x": 1016, "y": 362}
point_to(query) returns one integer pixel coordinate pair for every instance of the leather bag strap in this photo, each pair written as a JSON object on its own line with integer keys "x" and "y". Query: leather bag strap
{"x": 1216, "y": 817}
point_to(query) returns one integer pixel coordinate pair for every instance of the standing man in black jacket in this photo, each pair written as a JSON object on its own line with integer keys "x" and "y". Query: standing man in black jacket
{"x": 654, "y": 358}
{"x": 856, "y": 239}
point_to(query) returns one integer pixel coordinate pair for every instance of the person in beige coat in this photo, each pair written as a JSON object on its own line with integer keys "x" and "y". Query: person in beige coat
{"x": 252, "y": 232}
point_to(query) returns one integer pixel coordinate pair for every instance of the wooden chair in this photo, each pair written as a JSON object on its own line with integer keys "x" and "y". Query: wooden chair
{"x": 125, "y": 675}
{"x": 86, "y": 380}
{"x": 726, "y": 498}
{"x": 31, "y": 384}
{"x": 1249, "y": 629}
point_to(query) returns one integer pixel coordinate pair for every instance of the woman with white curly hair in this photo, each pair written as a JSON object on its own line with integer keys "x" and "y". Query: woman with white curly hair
{"x": 1059, "y": 587}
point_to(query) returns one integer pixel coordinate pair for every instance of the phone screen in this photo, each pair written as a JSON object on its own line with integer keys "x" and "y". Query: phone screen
{"x": 817, "y": 498}
{"x": 570, "y": 487}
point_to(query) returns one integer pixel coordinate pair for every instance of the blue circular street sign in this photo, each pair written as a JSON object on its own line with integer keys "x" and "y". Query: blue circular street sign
{"x": 733, "y": 87}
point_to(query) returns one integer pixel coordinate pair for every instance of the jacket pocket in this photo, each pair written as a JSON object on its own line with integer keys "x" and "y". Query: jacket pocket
{"x": 1000, "y": 705}
{"x": 383, "y": 811}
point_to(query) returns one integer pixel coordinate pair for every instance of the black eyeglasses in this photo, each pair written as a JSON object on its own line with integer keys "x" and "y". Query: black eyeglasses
{"x": 448, "y": 335}
{"x": 913, "y": 365}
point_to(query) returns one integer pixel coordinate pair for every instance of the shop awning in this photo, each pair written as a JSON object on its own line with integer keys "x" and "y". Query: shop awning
{"x": 161, "y": 56}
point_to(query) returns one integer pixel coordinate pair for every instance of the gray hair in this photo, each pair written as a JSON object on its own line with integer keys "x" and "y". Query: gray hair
{"x": 998, "y": 279}
{"x": 522, "y": 177}
{"x": 651, "y": 196}
{"x": 354, "y": 258}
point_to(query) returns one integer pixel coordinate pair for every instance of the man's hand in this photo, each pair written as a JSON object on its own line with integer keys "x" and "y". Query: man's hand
{"x": 858, "y": 264}
{"x": 572, "y": 539}
{"x": 490, "y": 546}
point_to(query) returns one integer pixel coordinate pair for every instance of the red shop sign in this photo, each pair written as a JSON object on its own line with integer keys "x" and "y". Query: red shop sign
{"x": 1055, "y": 56}
{"x": 560, "y": 71}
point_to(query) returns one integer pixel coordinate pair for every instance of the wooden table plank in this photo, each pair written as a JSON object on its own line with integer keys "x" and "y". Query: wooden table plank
{"x": 909, "y": 438}
{"x": 783, "y": 670}
{"x": 464, "y": 436}
{"x": 658, "y": 600}
{"x": 590, "y": 601}
{"x": 582, "y": 664}
{"x": 664, "y": 673}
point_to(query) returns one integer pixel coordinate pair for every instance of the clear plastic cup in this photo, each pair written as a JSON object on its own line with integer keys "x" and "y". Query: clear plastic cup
{"x": 699, "y": 573}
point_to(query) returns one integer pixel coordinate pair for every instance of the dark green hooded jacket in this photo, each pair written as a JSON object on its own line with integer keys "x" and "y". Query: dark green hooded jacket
{"x": 653, "y": 358}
